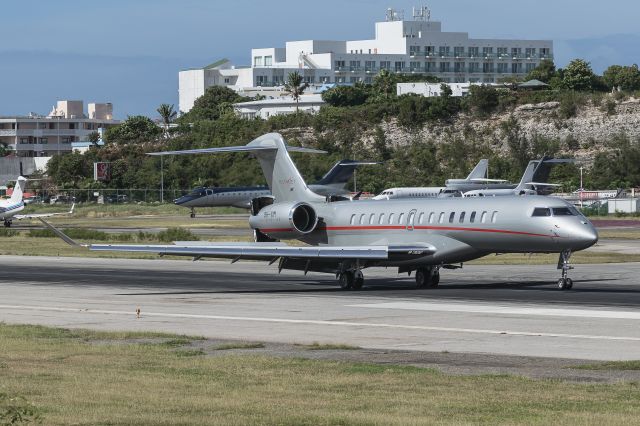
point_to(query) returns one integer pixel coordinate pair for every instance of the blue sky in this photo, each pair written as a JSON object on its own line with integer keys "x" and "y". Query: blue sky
{"x": 129, "y": 52}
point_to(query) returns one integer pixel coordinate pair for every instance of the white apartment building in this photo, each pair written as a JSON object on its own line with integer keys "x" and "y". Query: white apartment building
{"x": 42, "y": 136}
{"x": 416, "y": 46}
{"x": 429, "y": 90}
{"x": 279, "y": 106}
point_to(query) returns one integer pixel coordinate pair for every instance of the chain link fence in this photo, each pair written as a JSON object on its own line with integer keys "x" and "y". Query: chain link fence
{"x": 111, "y": 195}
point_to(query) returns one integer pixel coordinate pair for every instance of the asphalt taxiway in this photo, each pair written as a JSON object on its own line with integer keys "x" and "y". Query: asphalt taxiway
{"x": 506, "y": 310}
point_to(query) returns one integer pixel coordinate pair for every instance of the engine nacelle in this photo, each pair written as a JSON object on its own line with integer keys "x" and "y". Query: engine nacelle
{"x": 285, "y": 220}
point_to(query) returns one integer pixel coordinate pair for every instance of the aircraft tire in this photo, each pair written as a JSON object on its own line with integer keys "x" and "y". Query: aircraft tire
{"x": 358, "y": 281}
{"x": 346, "y": 280}
{"x": 435, "y": 279}
{"x": 565, "y": 283}
{"x": 192, "y": 215}
{"x": 569, "y": 284}
{"x": 422, "y": 278}
{"x": 7, "y": 224}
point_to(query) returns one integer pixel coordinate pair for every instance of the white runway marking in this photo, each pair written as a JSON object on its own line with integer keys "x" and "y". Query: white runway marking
{"x": 319, "y": 322}
{"x": 503, "y": 310}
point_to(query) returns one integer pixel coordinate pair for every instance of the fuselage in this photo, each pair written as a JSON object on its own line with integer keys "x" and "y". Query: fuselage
{"x": 417, "y": 192}
{"x": 461, "y": 229}
{"x": 215, "y": 197}
{"x": 9, "y": 208}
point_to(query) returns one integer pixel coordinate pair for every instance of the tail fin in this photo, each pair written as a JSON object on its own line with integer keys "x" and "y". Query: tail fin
{"x": 18, "y": 190}
{"x": 282, "y": 176}
{"x": 341, "y": 172}
{"x": 480, "y": 170}
{"x": 528, "y": 175}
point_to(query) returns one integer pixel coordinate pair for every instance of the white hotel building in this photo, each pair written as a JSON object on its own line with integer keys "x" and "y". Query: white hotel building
{"x": 417, "y": 46}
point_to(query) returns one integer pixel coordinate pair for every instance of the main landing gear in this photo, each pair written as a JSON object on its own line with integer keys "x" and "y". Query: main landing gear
{"x": 565, "y": 283}
{"x": 193, "y": 213}
{"x": 7, "y": 223}
{"x": 427, "y": 277}
{"x": 351, "y": 280}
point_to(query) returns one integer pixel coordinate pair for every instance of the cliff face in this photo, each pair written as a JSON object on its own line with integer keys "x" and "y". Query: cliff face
{"x": 588, "y": 132}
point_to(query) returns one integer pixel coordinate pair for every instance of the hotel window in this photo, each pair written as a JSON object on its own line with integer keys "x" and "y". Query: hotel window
{"x": 444, "y": 51}
{"x": 502, "y": 68}
{"x": 72, "y": 126}
{"x": 458, "y": 51}
{"x": 338, "y": 65}
{"x": 430, "y": 67}
{"x": 385, "y": 65}
{"x": 516, "y": 52}
{"x": 429, "y": 50}
{"x": 516, "y": 68}
{"x": 458, "y": 67}
{"x": 545, "y": 52}
{"x": 355, "y": 80}
{"x": 502, "y": 51}
{"x": 369, "y": 65}
{"x": 268, "y": 61}
{"x": 257, "y": 61}
{"x": 414, "y": 50}
{"x": 24, "y": 141}
{"x": 474, "y": 67}
{"x": 530, "y": 67}
{"x": 488, "y": 67}
{"x": 474, "y": 52}
{"x": 530, "y": 52}
{"x": 368, "y": 80}
{"x": 44, "y": 140}
{"x": 414, "y": 66}
{"x": 227, "y": 80}
{"x": 339, "y": 79}
{"x": 487, "y": 52}
{"x": 399, "y": 66}
{"x": 445, "y": 66}
{"x": 354, "y": 65}
{"x": 325, "y": 79}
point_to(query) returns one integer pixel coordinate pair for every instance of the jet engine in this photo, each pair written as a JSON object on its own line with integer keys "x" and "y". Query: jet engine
{"x": 285, "y": 220}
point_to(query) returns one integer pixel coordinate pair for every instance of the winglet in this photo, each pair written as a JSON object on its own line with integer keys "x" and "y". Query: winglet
{"x": 62, "y": 235}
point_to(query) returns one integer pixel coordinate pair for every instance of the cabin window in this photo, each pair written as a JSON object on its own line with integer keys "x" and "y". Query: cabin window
{"x": 452, "y": 215}
{"x": 411, "y": 218}
{"x": 353, "y": 219}
{"x": 483, "y": 217}
{"x": 494, "y": 217}
{"x": 462, "y": 215}
{"x": 472, "y": 218}
{"x": 209, "y": 192}
{"x": 362, "y": 219}
{"x": 562, "y": 211}
{"x": 421, "y": 218}
{"x": 401, "y": 218}
{"x": 541, "y": 211}
{"x": 372, "y": 219}
{"x": 441, "y": 218}
{"x": 431, "y": 217}
{"x": 381, "y": 221}
{"x": 390, "y": 218}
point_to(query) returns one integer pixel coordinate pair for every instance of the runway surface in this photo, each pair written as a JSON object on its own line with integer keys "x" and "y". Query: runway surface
{"x": 508, "y": 310}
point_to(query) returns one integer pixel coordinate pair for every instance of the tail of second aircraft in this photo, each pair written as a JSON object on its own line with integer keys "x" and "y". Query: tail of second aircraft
{"x": 18, "y": 190}
{"x": 480, "y": 170}
{"x": 282, "y": 176}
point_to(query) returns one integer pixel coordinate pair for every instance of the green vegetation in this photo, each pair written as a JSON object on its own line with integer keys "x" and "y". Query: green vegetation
{"x": 85, "y": 377}
{"x": 238, "y": 345}
{"x": 356, "y": 122}
{"x": 176, "y": 234}
{"x": 611, "y": 365}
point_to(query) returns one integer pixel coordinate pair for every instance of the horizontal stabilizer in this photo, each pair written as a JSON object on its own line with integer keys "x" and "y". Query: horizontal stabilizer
{"x": 487, "y": 180}
{"x": 542, "y": 184}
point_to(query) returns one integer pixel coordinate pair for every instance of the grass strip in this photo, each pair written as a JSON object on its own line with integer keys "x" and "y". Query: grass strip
{"x": 74, "y": 377}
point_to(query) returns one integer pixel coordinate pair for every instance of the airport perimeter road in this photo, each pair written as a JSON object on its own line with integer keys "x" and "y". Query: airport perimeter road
{"x": 512, "y": 310}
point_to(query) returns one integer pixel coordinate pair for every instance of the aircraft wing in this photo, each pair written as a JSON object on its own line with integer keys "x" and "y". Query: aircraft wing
{"x": 40, "y": 215}
{"x": 260, "y": 251}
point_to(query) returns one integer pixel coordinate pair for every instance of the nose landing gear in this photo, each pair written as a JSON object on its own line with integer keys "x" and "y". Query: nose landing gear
{"x": 565, "y": 283}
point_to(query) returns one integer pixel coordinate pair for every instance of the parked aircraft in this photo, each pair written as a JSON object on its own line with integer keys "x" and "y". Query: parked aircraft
{"x": 10, "y": 208}
{"x": 333, "y": 183}
{"x": 452, "y": 187}
{"x": 533, "y": 182}
{"x": 347, "y": 236}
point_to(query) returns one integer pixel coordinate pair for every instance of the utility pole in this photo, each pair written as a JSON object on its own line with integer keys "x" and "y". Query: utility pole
{"x": 162, "y": 179}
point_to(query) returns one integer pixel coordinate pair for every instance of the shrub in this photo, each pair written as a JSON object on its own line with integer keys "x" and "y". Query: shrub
{"x": 483, "y": 100}
{"x": 176, "y": 234}
{"x": 7, "y": 232}
{"x": 609, "y": 107}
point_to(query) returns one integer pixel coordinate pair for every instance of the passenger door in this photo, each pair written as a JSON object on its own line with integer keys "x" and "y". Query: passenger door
{"x": 411, "y": 217}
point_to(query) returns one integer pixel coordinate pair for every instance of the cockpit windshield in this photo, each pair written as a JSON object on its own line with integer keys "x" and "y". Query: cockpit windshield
{"x": 556, "y": 211}
{"x": 562, "y": 211}
{"x": 198, "y": 192}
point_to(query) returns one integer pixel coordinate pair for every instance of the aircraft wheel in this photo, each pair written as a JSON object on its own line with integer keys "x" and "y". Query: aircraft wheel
{"x": 346, "y": 280}
{"x": 192, "y": 215}
{"x": 422, "y": 278}
{"x": 358, "y": 281}
{"x": 565, "y": 283}
{"x": 569, "y": 284}
{"x": 7, "y": 224}
{"x": 435, "y": 279}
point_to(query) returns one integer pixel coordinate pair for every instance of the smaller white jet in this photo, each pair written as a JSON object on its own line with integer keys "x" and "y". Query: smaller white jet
{"x": 10, "y": 208}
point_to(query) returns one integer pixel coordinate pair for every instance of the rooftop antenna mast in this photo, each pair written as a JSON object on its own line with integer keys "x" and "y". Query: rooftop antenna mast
{"x": 394, "y": 15}
{"x": 422, "y": 13}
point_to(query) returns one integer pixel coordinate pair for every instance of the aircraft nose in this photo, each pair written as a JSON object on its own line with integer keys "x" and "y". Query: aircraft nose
{"x": 588, "y": 236}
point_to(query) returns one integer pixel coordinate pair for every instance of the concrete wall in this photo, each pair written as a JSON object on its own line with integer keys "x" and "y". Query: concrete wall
{"x": 100, "y": 111}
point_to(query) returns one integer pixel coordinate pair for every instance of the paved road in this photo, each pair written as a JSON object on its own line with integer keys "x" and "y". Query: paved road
{"x": 508, "y": 310}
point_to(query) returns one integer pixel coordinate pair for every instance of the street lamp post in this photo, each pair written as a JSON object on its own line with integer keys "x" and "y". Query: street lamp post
{"x": 162, "y": 179}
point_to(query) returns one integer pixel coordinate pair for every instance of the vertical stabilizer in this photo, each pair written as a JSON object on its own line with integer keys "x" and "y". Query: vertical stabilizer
{"x": 527, "y": 177}
{"x": 480, "y": 170}
{"x": 18, "y": 190}
{"x": 282, "y": 176}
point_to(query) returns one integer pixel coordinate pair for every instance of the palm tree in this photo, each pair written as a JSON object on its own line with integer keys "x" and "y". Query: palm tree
{"x": 167, "y": 113}
{"x": 295, "y": 87}
{"x": 385, "y": 82}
